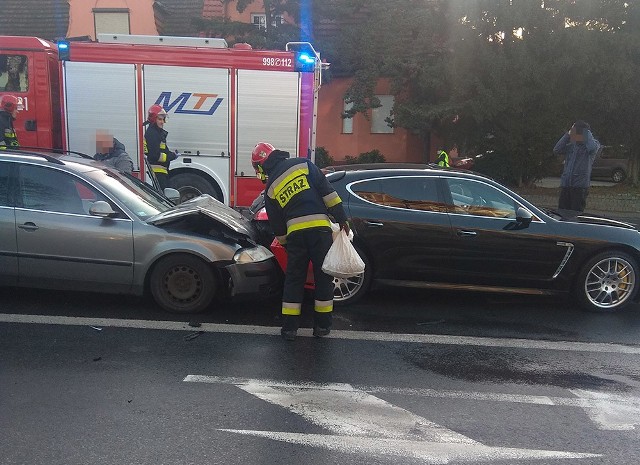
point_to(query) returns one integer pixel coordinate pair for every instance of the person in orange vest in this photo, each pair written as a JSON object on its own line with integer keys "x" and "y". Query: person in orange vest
{"x": 155, "y": 145}
{"x": 8, "y": 113}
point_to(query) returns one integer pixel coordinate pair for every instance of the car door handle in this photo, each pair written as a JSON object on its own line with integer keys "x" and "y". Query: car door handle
{"x": 373, "y": 224}
{"x": 29, "y": 226}
{"x": 462, "y": 233}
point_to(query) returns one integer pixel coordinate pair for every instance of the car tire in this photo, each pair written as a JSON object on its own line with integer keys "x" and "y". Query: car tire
{"x": 618, "y": 175}
{"x": 181, "y": 283}
{"x": 608, "y": 282}
{"x": 192, "y": 185}
{"x": 348, "y": 291}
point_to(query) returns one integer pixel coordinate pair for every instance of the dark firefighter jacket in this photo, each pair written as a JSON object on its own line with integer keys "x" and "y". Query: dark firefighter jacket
{"x": 156, "y": 150}
{"x": 8, "y": 136}
{"x": 298, "y": 196}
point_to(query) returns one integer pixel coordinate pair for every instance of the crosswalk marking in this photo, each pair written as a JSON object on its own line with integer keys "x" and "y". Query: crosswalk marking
{"x": 361, "y": 423}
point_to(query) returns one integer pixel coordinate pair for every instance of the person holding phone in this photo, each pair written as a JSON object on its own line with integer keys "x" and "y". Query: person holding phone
{"x": 579, "y": 148}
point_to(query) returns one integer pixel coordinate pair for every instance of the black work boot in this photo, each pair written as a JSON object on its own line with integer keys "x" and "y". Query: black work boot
{"x": 289, "y": 327}
{"x": 288, "y": 335}
{"x": 322, "y": 324}
{"x": 321, "y": 332}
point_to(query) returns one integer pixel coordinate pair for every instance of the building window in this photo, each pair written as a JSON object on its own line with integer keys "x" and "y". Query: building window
{"x": 378, "y": 115}
{"x": 347, "y": 123}
{"x": 111, "y": 21}
{"x": 14, "y": 75}
{"x": 260, "y": 20}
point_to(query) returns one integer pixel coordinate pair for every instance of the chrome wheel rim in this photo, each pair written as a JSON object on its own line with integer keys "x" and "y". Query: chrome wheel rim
{"x": 610, "y": 282}
{"x": 345, "y": 288}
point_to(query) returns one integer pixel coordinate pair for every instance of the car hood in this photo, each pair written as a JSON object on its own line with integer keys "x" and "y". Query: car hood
{"x": 207, "y": 206}
{"x": 595, "y": 219}
{"x": 577, "y": 217}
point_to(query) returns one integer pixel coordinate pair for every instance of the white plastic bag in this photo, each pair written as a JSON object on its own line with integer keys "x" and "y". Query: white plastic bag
{"x": 335, "y": 229}
{"x": 342, "y": 260}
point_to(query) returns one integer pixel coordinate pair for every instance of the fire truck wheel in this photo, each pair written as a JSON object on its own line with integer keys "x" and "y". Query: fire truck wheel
{"x": 192, "y": 185}
{"x": 182, "y": 283}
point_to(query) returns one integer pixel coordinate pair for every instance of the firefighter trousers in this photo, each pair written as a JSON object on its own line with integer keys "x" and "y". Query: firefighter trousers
{"x": 302, "y": 247}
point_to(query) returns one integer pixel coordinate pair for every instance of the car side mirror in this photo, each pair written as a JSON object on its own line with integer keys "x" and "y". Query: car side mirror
{"x": 102, "y": 209}
{"x": 523, "y": 216}
{"x": 172, "y": 194}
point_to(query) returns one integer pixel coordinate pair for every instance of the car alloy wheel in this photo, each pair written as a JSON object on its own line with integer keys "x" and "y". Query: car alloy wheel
{"x": 182, "y": 283}
{"x": 609, "y": 282}
{"x": 347, "y": 291}
{"x": 344, "y": 288}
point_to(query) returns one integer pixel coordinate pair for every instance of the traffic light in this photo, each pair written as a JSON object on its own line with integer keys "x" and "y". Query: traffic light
{"x": 63, "y": 50}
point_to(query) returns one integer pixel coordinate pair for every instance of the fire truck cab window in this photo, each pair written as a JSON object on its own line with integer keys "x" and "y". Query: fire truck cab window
{"x": 14, "y": 76}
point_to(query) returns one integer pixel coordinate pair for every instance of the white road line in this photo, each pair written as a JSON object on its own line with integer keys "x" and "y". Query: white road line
{"x": 428, "y": 452}
{"x": 354, "y": 412}
{"x": 336, "y": 334}
{"x": 612, "y": 412}
{"x": 361, "y": 423}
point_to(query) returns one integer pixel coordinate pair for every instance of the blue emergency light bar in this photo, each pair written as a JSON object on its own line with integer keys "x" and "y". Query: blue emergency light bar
{"x": 304, "y": 62}
{"x": 306, "y": 58}
{"x": 63, "y": 50}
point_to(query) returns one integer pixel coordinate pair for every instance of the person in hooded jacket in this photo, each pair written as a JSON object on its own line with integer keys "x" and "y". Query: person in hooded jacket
{"x": 155, "y": 145}
{"x": 579, "y": 149}
{"x": 111, "y": 152}
{"x": 8, "y": 113}
{"x": 298, "y": 200}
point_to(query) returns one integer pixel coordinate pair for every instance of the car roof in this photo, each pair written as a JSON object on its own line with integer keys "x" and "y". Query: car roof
{"x": 74, "y": 161}
{"x": 368, "y": 170}
{"x": 379, "y": 166}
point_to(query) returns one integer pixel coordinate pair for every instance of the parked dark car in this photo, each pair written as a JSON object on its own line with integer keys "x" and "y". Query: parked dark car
{"x": 612, "y": 164}
{"x": 72, "y": 224}
{"x": 457, "y": 230}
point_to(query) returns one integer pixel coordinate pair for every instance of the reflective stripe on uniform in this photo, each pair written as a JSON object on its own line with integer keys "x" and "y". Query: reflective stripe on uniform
{"x": 299, "y": 169}
{"x": 291, "y": 308}
{"x": 289, "y": 184}
{"x": 159, "y": 169}
{"x": 323, "y": 306}
{"x": 331, "y": 200}
{"x": 307, "y": 222}
{"x": 282, "y": 240}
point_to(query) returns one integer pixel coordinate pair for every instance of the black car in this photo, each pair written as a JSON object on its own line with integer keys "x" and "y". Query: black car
{"x": 454, "y": 229}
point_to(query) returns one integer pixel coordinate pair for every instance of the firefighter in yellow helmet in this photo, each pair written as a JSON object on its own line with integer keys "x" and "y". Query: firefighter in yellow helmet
{"x": 155, "y": 145}
{"x": 299, "y": 198}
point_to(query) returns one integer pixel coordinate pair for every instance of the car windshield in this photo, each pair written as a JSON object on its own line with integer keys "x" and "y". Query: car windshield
{"x": 137, "y": 196}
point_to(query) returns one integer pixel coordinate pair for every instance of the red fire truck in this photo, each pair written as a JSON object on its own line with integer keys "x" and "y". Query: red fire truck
{"x": 220, "y": 101}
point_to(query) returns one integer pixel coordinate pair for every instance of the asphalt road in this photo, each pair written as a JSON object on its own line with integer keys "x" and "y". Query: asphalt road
{"x": 407, "y": 377}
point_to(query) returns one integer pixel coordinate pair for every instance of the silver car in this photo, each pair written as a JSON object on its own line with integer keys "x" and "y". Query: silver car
{"x": 72, "y": 224}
